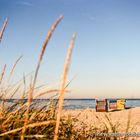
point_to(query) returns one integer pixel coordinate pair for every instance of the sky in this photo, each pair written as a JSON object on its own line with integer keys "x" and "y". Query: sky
{"x": 106, "y": 57}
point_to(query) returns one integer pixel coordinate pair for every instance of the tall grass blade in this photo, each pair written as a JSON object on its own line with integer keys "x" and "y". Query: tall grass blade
{"x": 44, "y": 48}
{"x": 36, "y": 72}
{"x": 36, "y": 124}
{"x": 2, "y": 73}
{"x": 27, "y": 112}
{"x": 63, "y": 84}
{"x": 3, "y": 28}
{"x": 13, "y": 68}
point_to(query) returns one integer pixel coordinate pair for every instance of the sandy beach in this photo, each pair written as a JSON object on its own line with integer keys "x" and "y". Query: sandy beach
{"x": 123, "y": 121}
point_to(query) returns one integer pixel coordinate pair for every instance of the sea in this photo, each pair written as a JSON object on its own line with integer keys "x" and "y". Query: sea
{"x": 74, "y": 103}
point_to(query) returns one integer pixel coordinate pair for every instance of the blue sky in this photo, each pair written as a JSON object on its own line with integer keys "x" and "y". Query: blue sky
{"x": 106, "y": 57}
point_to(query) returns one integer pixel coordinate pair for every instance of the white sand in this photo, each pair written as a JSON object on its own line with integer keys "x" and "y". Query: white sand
{"x": 89, "y": 118}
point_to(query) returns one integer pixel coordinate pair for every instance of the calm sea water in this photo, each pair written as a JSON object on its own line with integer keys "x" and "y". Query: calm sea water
{"x": 77, "y": 103}
{"x": 91, "y": 103}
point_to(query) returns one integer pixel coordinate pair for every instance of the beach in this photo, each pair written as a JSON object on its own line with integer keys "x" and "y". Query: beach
{"x": 119, "y": 122}
{"x": 42, "y": 98}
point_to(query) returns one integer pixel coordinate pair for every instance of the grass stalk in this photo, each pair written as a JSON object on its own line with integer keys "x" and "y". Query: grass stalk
{"x": 27, "y": 112}
{"x": 3, "y": 28}
{"x": 36, "y": 72}
{"x": 63, "y": 84}
{"x": 44, "y": 48}
{"x": 2, "y": 73}
{"x": 128, "y": 124}
{"x": 14, "y": 66}
{"x": 28, "y": 126}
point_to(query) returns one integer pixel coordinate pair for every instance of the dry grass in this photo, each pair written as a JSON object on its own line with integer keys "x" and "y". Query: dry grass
{"x": 23, "y": 119}
{"x": 63, "y": 84}
{"x": 32, "y": 86}
{"x": 44, "y": 48}
{"x": 13, "y": 68}
{"x": 128, "y": 124}
{"x": 3, "y": 28}
{"x": 2, "y": 73}
{"x": 28, "y": 126}
{"x": 23, "y": 114}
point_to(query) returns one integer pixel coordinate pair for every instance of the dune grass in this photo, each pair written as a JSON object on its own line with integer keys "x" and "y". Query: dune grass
{"x": 22, "y": 119}
{"x": 17, "y": 120}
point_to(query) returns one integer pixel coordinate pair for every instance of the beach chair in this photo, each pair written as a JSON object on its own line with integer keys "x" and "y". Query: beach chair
{"x": 112, "y": 104}
{"x": 101, "y": 105}
{"x": 120, "y": 104}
